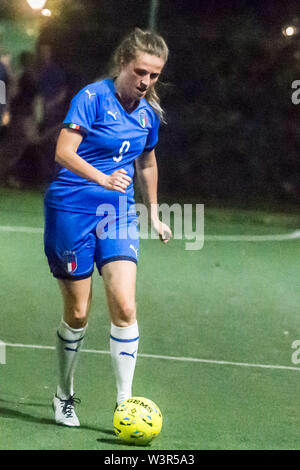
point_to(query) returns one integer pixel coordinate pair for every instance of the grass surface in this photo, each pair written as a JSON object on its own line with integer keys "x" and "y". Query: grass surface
{"x": 235, "y": 302}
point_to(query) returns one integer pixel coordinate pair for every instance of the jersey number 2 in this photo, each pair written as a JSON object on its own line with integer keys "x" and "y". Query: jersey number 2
{"x": 123, "y": 149}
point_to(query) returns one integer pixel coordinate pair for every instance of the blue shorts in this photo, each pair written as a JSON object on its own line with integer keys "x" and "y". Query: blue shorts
{"x": 74, "y": 241}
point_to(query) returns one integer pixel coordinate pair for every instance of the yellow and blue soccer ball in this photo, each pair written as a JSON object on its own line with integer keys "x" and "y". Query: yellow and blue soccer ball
{"x": 137, "y": 421}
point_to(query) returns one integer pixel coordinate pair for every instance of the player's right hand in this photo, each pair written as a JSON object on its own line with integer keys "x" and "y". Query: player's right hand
{"x": 117, "y": 181}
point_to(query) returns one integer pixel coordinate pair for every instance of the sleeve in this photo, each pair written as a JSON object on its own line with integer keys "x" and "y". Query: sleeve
{"x": 152, "y": 138}
{"x": 82, "y": 112}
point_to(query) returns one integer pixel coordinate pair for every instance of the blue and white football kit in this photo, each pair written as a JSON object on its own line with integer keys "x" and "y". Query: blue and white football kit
{"x": 84, "y": 222}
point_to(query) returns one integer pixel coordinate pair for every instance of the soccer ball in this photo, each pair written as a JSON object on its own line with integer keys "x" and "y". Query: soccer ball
{"x": 137, "y": 420}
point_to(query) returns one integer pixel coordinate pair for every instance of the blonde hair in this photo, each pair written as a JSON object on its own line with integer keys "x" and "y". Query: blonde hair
{"x": 141, "y": 41}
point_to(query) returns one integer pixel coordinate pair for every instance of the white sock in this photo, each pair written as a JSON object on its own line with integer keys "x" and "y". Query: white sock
{"x": 68, "y": 344}
{"x": 123, "y": 349}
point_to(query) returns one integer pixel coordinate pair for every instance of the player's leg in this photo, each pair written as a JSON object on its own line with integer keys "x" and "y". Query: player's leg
{"x": 70, "y": 334}
{"x": 120, "y": 281}
{"x": 77, "y": 296}
{"x": 69, "y": 246}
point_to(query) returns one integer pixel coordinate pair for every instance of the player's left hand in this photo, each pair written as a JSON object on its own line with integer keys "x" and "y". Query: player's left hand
{"x": 164, "y": 232}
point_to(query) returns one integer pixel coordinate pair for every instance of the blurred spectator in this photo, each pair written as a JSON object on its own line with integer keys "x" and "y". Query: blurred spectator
{"x": 51, "y": 87}
{"x": 5, "y": 77}
{"x": 38, "y": 109}
{"x": 22, "y": 105}
{"x": 22, "y": 128}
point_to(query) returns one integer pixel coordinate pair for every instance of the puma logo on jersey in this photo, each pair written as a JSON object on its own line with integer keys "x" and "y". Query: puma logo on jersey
{"x": 90, "y": 94}
{"x": 114, "y": 115}
{"x": 134, "y": 249}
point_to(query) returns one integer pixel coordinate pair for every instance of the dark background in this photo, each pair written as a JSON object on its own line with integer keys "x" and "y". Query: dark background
{"x": 233, "y": 131}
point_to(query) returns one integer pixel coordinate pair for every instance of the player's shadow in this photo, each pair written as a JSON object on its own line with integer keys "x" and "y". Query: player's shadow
{"x": 20, "y": 402}
{"x": 8, "y": 412}
{"x": 114, "y": 441}
{"x": 118, "y": 443}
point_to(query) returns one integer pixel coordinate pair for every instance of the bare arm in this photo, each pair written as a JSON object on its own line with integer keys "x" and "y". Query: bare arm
{"x": 147, "y": 173}
{"x": 66, "y": 155}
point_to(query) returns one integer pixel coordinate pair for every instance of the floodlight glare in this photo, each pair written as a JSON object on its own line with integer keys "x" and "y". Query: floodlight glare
{"x": 46, "y": 12}
{"x": 290, "y": 31}
{"x": 37, "y": 4}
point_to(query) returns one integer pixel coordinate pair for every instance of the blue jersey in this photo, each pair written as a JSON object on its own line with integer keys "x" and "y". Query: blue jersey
{"x": 112, "y": 139}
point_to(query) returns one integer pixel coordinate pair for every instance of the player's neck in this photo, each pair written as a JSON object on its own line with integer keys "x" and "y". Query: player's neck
{"x": 129, "y": 104}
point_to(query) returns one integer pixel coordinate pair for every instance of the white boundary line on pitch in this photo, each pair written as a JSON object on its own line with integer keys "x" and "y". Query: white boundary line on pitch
{"x": 2, "y": 352}
{"x": 170, "y": 358}
{"x": 254, "y": 238}
{"x": 9, "y": 228}
{"x": 207, "y": 238}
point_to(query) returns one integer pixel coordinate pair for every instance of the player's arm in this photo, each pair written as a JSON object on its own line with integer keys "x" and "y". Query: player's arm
{"x": 66, "y": 155}
{"x": 146, "y": 168}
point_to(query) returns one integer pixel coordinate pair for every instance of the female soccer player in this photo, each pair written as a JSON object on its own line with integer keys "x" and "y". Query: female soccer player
{"x": 89, "y": 208}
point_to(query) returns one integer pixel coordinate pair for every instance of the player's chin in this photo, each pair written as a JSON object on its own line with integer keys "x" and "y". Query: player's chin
{"x": 141, "y": 93}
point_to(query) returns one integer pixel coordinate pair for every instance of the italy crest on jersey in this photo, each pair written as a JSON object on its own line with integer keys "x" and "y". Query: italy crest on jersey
{"x": 142, "y": 116}
{"x": 70, "y": 261}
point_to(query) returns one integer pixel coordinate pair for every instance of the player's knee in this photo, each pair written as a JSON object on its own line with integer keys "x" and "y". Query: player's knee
{"x": 79, "y": 322}
{"x": 79, "y": 315}
{"x": 126, "y": 314}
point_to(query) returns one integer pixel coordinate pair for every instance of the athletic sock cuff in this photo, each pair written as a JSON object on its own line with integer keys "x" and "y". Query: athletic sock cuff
{"x": 67, "y": 333}
{"x": 130, "y": 333}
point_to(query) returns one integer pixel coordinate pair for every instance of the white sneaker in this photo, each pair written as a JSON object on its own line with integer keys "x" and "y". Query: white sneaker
{"x": 64, "y": 411}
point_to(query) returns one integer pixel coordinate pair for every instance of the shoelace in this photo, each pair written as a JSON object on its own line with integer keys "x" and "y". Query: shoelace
{"x": 67, "y": 405}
